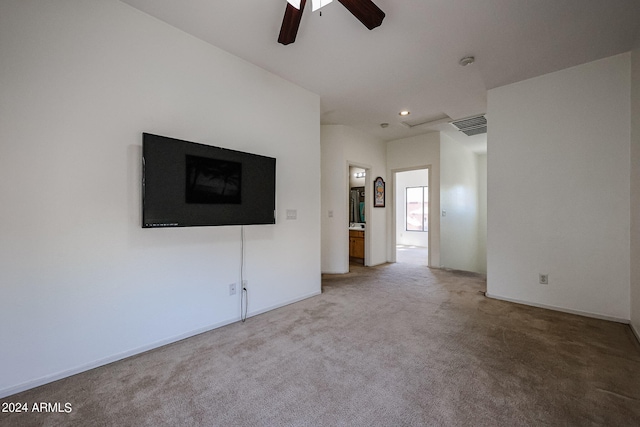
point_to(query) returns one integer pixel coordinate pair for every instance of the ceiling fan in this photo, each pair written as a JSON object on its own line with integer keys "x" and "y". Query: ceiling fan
{"x": 365, "y": 10}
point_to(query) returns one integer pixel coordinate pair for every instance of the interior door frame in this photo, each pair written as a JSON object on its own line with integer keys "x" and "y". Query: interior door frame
{"x": 368, "y": 207}
{"x": 394, "y": 212}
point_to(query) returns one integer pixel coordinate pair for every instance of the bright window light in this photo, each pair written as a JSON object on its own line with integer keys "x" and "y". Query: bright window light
{"x": 417, "y": 208}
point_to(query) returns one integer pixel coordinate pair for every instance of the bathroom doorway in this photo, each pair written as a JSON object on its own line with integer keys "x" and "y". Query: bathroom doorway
{"x": 357, "y": 205}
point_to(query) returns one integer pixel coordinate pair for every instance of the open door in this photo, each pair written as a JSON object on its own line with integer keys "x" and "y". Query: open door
{"x": 411, "y": 216}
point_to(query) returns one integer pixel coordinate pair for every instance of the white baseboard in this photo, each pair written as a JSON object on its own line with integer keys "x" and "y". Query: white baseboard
{"x": 116, "y": 357}
{"x": 562, "y": 309}
{"x": 291, "y": 301}
{"x": 377, "y": 264}
{"x": 635, "y": 332}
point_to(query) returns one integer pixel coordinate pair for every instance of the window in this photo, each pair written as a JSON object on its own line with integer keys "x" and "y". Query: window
{"x": 417, "y": 208}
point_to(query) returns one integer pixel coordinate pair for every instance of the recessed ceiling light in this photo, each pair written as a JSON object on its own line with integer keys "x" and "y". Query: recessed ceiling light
{"x": 404, "y": 113}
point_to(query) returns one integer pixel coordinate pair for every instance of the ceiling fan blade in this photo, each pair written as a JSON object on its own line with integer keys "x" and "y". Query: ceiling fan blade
{"x": 366, "y": 12}
{"x": 290, "y": 23}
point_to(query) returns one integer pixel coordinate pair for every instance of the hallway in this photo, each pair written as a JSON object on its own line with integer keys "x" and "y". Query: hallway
{"x": 416, "y": 255}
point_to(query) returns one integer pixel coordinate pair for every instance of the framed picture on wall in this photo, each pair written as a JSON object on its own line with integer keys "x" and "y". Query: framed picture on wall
{"x": 378, "y": 193}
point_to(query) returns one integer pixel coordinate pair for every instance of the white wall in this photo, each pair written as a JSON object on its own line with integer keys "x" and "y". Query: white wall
{"x": 481, "y": 167}
{"x": 459, "y": 198}
{"x": 341, "y": 146}
{"x": 635, "y": 189}
{"x": 412, "y": 153}
{"x": 558, "y": 184}
{"x": 414, "y": 178}
{"x": 82, "y": 283}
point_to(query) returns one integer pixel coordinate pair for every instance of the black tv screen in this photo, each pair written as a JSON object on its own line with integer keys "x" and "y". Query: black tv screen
{"x": 213, "y": 181}
{"x": 185, "y": 184}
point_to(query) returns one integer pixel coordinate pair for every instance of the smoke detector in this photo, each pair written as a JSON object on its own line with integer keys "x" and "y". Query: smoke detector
{"x": 467, "y": 60}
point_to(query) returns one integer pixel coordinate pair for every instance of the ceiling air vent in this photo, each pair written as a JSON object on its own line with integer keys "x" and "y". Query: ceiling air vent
{"x": 472, "y": 125}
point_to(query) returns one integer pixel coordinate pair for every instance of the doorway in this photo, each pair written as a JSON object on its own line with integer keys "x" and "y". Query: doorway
{"x": 411, "y": 216}
{"x": 358, "y": 202}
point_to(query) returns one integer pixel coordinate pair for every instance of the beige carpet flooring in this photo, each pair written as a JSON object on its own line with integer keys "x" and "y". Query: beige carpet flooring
{"x": 412, "y": 255}
{"x": 394, "y": 345}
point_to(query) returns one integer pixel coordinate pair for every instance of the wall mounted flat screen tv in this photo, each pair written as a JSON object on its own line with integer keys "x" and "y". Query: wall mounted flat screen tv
{"x": 185, "y": 184}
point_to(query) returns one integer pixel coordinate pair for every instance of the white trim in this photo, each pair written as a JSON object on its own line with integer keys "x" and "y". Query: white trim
{"x": 635, "y": 332}
{"x": 562, "y": 309}
{"x": 380, "y": 263}
{"x": 279, "y": 305}
{"x": 368, "y": 189}
{"x": 393, "y": 195}
{"x": 125, "y": 354}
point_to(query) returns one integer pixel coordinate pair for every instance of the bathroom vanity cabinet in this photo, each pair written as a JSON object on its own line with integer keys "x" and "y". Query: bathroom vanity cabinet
{"x": 356, "y": 244}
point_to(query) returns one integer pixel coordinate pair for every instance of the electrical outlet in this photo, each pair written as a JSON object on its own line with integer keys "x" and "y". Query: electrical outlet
{"x": 232, "y": 289}
{"x": 544, "y": 279}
